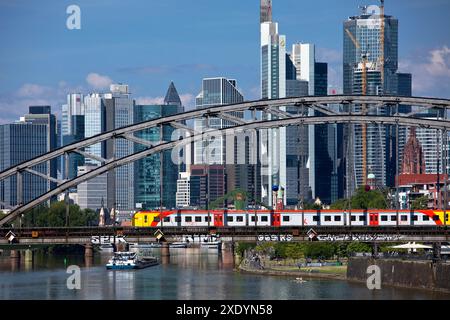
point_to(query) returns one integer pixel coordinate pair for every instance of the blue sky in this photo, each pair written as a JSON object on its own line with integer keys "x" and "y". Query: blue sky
{"x": 146, "y": 44}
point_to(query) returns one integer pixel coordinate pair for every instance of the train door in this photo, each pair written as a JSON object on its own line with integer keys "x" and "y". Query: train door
{"x": 218, "y": 219}
{"x": 374, "y": 219}
{"x": 276, "y": 218}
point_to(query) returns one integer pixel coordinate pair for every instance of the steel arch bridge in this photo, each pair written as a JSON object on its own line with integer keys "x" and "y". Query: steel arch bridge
{"x": 277, "y": 117}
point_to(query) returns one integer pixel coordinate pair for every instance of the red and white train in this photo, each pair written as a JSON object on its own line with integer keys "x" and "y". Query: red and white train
{"x": 237, "y": 218}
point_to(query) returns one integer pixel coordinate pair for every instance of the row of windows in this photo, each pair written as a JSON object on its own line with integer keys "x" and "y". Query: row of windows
{"x": 287, "y": 218}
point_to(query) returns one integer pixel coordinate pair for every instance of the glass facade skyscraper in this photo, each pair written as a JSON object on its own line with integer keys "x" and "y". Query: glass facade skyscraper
{"x": 119, "y": 112}
{"x": 148, "y": 170}
{"x": 33, "y": 135}
{"x": 221, "y": 91}
{"x": 72, "y": 130}
{"x": 382, "y": 79}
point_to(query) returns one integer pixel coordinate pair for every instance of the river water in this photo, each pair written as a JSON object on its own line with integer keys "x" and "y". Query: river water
{"x": 193, "y": 273}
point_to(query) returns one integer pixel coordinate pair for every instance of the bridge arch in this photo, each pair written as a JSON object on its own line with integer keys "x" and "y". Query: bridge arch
{"x": 269, "y": 106}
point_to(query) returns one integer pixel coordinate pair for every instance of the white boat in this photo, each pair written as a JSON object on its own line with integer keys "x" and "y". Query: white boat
{"x": 130, "y": 260}
{"x": 211, "y": 244}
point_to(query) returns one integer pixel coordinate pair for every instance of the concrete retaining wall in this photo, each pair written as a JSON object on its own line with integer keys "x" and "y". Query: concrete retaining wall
{"x": 410, "y": 274}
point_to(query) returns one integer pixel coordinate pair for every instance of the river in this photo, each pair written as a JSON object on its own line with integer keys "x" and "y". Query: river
{"x": 193, "y": 273}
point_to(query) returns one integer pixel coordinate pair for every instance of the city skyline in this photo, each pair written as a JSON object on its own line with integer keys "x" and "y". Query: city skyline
{"x": 45, "y": 77}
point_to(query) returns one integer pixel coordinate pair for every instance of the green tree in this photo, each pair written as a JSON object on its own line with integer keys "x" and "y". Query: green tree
{"x": 241, "y": 247}
{"x": 312, "y": 206}
{"x": 323, "y": 250}
{"x": 372, "y": 199}
{"x": 55, "y": 216}
{"x": 354, "y": 247}
{"x": 420, "y": 203}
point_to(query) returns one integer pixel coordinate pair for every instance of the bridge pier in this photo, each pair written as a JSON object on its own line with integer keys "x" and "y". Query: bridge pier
{"x": 227, "y": 254}
{"x": 436, "y": 252}
{"x": 375, "y": 249}
{"x": 165, "y": 253}
{"x": 88, "y": 250}
{"x": 14, "y": 254}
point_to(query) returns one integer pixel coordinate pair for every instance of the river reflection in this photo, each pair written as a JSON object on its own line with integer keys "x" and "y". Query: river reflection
{"x": 193, "y": 273}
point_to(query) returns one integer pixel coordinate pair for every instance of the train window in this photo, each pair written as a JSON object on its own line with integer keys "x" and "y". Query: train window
{"x": 207, "y": 218}
{"x": 177, "y": 219}
{"x": 436, "y": 218}
{"x": 384, "y": 218}
{"x": 230, "y": 218}
{"x": 253, "y": 218}
{"x": 264, "y": 219}
{"x": 404, "y": 218}
{"x": 239, "y": 219}
{"x": 167, "y": 219}
{"x": 316, "y": 218}
{"x": 198, "y": 219}
{"x": 362, "y": 218}
{"x": 415, "y": 217}
{"x": 426, "y": 218}
{"x": 353, "y": 218}
{"x": 286, "y": 218}
{"x": 157, "y": 219}
{"x": 327, "y": 218}
{"x": 188, "y": 219}
{"x": 337, "y": 218}
{"x": 393, "y": 218}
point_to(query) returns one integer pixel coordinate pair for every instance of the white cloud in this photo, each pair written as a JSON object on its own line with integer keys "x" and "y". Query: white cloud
{"x": 98, "y": 81}
{"x": 188, "y": 101}
{"x": 439, "y": 62}
{"x": 32, "y": 90}
{"x": 149, "y": 100}
{"x": 431, "y": 72}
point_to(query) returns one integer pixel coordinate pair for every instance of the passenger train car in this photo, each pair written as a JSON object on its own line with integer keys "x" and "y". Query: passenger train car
{"x": 236, "y": 218}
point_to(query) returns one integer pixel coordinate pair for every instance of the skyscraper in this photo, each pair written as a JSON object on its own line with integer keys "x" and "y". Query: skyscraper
{"x": 148, "y": 181}
{"x": 362, "y": 38}
{"x": 119, "y": 112}
{"x": 33, "y": 135}
{"x": 273, "y": 86}
{"x": 72, "y": 130}
{"x": 221, "y": 91}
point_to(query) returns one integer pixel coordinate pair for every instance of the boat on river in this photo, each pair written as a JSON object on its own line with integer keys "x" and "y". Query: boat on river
{"x": 130, "y": 260}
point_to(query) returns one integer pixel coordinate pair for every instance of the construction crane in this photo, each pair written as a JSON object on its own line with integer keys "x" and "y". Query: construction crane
{"x": 382, "y": 42}
{"x": 364, "y": 61}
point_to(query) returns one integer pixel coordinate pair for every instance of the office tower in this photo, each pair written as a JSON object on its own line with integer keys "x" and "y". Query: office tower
{"x": 432, "y": 144}
{"x": 33, "y": 135}
{"x": 94, "y": 123}
{"x": 148, "y": 181}
{"x": 119, "y": 113}
{"x": 43, "y": 115}
{"x": 172, "y": 97}
{"x": 222, "y": 91}
{"x": 362, "y": 38}
{"x": 183, "y": 195}
{"x": 272, "y": 142}
{"x": 206, "y": 179}
{"x": 321, "y": 140}
{"x": 91, "y": 193}
{"x": 72, "y": 130}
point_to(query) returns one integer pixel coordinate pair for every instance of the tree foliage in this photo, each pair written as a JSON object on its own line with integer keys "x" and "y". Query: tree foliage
{"x": 55, "y": 216}
{"x": 420, "y": 203}
{"x": 372, "y": 199}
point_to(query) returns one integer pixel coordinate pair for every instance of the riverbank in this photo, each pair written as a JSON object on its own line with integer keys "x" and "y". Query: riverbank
{"x": 330, "y": 273}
